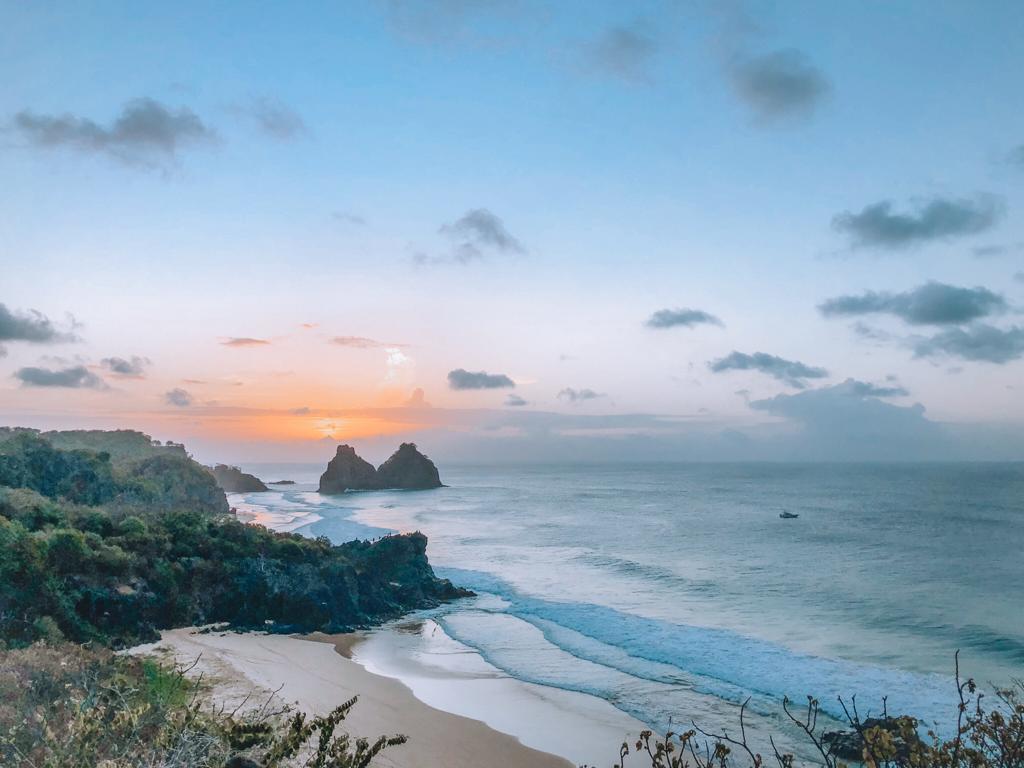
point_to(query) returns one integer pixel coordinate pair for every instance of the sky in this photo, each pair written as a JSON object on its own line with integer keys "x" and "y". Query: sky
{"x": 516, "y": 230}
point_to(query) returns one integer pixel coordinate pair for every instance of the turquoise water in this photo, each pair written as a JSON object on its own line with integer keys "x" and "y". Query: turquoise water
{"x": 650, "y": 584}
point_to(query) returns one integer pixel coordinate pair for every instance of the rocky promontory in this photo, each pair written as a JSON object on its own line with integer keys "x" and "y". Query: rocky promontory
{"x": 348, "y": 472}
{"x": 233, "y": 480}
{"x": 406, "y": 469}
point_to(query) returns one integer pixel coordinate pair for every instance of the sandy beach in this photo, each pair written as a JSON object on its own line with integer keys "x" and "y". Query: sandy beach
{"x": 315, "y": 675}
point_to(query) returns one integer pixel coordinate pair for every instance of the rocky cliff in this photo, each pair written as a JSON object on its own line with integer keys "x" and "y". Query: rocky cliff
{"x": 408, "y": 469}
{"x": 234, "y": 480}
{"x": 348, "y": 472}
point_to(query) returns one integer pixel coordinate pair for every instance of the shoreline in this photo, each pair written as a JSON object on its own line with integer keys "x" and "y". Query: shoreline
{"x": 315, "y": 673}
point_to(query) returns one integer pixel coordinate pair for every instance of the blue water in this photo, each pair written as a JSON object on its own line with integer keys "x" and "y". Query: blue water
{"x": 664, "y": 582}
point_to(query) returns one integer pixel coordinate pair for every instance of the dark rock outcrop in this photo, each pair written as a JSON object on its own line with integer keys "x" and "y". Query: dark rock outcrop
{"x": 281, "y": 482}
{"x": 348, "y": 472}
{"x": 849, "y": 745}
{"x": 408, "y": 469}
{"x": 234, "y": 480}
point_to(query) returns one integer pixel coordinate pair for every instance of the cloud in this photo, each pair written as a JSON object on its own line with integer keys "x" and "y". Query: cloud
{"x": 1016, "y": 156}
{"x": 244, "y": 341}
{"x": 417, "y": 400}
{"x": 688, "y": 318}
{"x": 791, "y": 372}
{"x": 514, "y": 401}
{"x": 849, "y": 421}
{"x": 865, "y": 389}
{"x": 447, "y": 21}
{"x": 463, "y": 379}
{"x": 75, "y": 377}
{"x": 32, "y": 327}
{"x": 930, "y": 304}
{"x": 273, "y": 118}
{"x": 145, "y": 133}
{"x": 878, "y": 226}
{"x": 870, "y": 333}
{"x": 361, "y": 342}
{"x": 579, "y": 395}
{"x": 988, "y": 251}
{"x": 303, "y": 411}
{"x": 479, "y": 233}
{"x": 349, "y": 218}
{"x": 179, "y": 398}
{"x": 1019, "y": 277}
{"x": 624, "y": 52}
{"x": 979, "y": 342}
{"x": 133, "y": 367}
{"x": 778, "y": 85}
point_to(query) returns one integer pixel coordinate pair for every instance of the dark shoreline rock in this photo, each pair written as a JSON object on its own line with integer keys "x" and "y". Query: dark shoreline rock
{"x": 348, "y": 472}
{"x": 409, "y": 470}
{"x": 281, "y": 482}
{"x": 406, "y": 469}
{"x": 233, "y": 480}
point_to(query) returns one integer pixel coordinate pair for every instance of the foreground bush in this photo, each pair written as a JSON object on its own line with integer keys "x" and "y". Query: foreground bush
{"x": 68, "y": 706}
{"x": 986, "y": 737}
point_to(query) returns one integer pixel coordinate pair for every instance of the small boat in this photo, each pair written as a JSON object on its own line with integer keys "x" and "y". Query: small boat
{"x": 788, "y": 515}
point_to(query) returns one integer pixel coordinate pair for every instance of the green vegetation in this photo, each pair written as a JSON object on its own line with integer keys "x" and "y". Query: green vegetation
{"x": 76, "y": 707}
{"x": 116, "y": 469}
{"x": 93, "y": 549}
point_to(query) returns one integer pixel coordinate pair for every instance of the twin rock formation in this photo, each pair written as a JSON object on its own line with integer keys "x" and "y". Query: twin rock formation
{"x": 407, "y": 469}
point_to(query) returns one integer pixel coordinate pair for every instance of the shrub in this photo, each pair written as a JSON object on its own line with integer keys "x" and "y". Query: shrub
{"x": 69, "y": 706}
{"x": 986, "y": 737}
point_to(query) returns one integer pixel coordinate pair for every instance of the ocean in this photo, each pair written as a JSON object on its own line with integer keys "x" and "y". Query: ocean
{"x": 676, "y": 592}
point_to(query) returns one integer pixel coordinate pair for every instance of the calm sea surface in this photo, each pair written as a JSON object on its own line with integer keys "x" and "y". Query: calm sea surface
{"x": 667, "y": 588}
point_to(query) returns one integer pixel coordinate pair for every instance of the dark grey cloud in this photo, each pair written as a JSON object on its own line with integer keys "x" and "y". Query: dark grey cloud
{"x": 514, "y": 401}
{"x": 579, "y": 395}
{"x": 179, "y": 398}
{"x": 31, "y": 326}
{"x": 244, "y": 341}
{"x": 878, "y": 226}
{"x": 75, "y": 377}
{"x": 791, "y": 372}
{"x": 979, "y": 342}
{"x": 1019, "y": 277}
{"x": 623, "y": 52}
{"x": 135, "y": 366}
{"x": 866, "y": 389}
{"x": 463, "y": 379}
{"x": 778, "y": 85}
{"x": 991, "y": 251}
{"x": 479, "y": 233}
{"x": 145, "y": 133}
{"x": 929, "y": 304}
{"x": 273, "y": 118}
{"x": 687, "y": 318}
